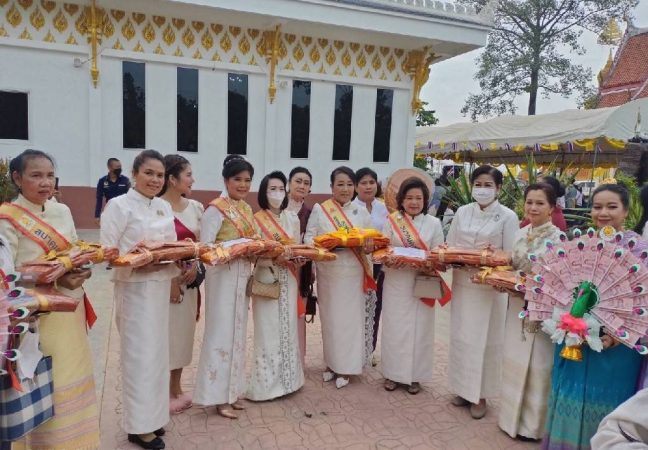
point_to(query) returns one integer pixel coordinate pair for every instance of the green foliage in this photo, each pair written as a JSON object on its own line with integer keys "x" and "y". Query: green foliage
{"x": 459, "y": 191}
{"x": 425, "y": 117}
{"x": 421, "y": 163}
{"x": 635, "y": 209}
{"x": 529, "y": 52}
{"x": 7, "y": 189}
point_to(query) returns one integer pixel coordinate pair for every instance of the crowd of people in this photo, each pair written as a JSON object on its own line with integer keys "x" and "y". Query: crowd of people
{"x": 493, "y": 354}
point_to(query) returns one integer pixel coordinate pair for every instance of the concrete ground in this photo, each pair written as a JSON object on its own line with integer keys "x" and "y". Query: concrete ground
{"x": 361, "y": 416}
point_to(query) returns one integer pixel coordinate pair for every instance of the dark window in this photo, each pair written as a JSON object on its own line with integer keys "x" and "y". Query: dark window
{"x": 237, "y": 113}
{"x": 187, "y": 110}
{"x": 382, "y": 133}
{"x": 300, "y": 119}
{"x": 13, "y": 115}
{"x": 342, "y": 122}
{"x": 134, "y": 91}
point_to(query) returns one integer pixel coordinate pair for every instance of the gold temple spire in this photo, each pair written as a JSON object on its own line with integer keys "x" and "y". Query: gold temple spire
{"x": 611, "y": 34}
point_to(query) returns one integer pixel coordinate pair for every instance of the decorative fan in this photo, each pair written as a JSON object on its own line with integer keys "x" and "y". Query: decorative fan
{"x": 579, "y": 286}
{"x": 7, "y": 293}
{"x": 396, "y": 179}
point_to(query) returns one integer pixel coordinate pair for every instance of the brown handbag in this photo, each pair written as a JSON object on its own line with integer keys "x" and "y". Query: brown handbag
{"x": 269, "y": 291}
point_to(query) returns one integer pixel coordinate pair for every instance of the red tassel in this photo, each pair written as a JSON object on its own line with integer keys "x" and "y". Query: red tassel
{"x": 90, "y": 315}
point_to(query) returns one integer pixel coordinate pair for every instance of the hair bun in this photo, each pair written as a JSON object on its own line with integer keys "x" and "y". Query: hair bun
{"x": 232, "y": 158}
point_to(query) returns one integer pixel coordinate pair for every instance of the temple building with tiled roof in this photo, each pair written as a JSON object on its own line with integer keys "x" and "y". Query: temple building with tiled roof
{"x": 625, "y": 76}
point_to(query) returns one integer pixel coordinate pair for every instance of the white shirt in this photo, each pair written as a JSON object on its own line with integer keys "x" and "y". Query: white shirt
{"x": 428, "y": 227}
{"x": 475, "y": 228}
{"x": 132, "y": 218}
{"x": 378, "y": 212}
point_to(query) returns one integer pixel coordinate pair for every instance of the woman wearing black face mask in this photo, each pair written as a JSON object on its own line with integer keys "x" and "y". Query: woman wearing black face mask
{"x": 110, "y": 186}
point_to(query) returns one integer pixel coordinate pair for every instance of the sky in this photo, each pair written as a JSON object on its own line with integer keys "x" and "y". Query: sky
{"x": 452, "y": 80}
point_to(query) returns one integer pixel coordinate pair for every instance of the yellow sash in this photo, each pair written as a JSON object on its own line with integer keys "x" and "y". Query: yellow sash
{"x": 240, "y": 220}
{"x": 336, "y": 215}
{"x": 406, "y": 231}
{"x": 33, "y": 228}
{"x": 272, "y": 229}
{"x": 47, "y": 238}
{"x": 410, "y": 237}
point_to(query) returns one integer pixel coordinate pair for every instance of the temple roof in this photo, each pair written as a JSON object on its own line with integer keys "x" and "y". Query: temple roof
{"x": 626, "y": 78}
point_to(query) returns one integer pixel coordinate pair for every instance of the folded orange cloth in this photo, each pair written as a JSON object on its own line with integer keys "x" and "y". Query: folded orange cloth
{"x": 470, "y": 257}
{"x": 309, "y": 252}
{"x": 44, "y": 299}
{"x": 355, "y": 237}
{"x": 224, "y": 252}
{"x": 397, "y": 256}
{"x": 53, "y": 265}
{"x": 155, "y": 252}
{"x": 502, "y": 277}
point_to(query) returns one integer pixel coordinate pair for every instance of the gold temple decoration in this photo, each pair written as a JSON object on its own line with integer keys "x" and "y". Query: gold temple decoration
{"x": 610, "y": 34}
{"x": 417, "y": 66}
{"x": 94, "y": 27}
{"x": 606, "y": 69}
{"x": 271, "y": 43}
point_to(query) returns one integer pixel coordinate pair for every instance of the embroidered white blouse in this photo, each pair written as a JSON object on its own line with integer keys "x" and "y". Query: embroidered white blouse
{"x": 132, "y": 218}
{"x": 475, "y": 228}
{"x": 378, "y": 212}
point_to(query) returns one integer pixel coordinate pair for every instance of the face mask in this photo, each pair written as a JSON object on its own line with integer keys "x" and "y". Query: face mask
{"x": 276, "y": 199}
{"x": 483, "y": 196}
{"x": 117, "y": 172}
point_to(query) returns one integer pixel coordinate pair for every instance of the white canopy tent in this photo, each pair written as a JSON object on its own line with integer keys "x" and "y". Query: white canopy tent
{"x": 581, "y": 136}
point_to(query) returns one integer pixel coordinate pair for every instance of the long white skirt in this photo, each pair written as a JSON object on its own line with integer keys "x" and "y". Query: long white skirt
{"x": 407, "y": 346}
{"x": 182, "y": 327}
{"x": 277, "y": 368}
{"x": 142, "y": 315}
{"x": 526, "y": 377}
{"x": 478, "y": 316}
{"x": 343, "y": 314}
{"x": 220, "y": 378}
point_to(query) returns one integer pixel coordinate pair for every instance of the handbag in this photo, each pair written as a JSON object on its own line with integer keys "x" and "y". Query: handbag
{"x": 263, "y": 289}
{"x": 21, "y": 412}
{"x": 427, "y": 286}
{"x": 200, "y": 277}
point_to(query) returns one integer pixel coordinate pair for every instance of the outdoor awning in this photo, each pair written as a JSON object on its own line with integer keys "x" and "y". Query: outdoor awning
{"x": 577, "y": 137}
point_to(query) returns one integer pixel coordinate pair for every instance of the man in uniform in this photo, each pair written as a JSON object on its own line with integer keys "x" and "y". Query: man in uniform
{"x": 110, "y": 186}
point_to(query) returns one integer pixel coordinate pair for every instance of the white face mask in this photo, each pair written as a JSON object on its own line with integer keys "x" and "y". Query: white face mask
{"x": 483, "y": 196}
{"x": 276, "y": 198}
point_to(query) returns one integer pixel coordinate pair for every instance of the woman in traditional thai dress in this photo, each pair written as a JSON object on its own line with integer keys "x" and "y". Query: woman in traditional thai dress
{"x": 33, "y": 225}
{"x": 277, "y": 367}
{"x": 584, "y": 392}
{"x": 220, "y": 379}
{"x": 367, "y": 188}
{"x": 557, "y": 216}
{"x": 345, "y": 287}
{"x": 528, "y": 352}
{"x": 407, "y": 346}
{"x": 142, "y": 301}
{"x": 183, "y": 311}
{"x": 300, "y": 181}
{"x": 478, "y": 311}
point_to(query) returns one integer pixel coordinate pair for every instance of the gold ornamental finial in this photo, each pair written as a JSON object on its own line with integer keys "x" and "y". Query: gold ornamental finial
{"x": 417, "y": 66}
{"x": 93, "y": 28}
{"x": 271, "y": 43}
{"x": 606, "y": 69}
{"x": 611, "y": 34}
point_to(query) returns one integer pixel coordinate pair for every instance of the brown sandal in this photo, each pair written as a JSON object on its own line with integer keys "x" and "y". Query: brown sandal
{"x": 390, "y": 385}
{"x": 226, "y": 411}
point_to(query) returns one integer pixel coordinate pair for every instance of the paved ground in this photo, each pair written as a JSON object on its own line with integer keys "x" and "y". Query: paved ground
{"x": 361, "y": 416}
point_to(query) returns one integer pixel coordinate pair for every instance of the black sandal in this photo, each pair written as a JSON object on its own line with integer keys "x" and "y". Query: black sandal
{"x": 155, "y": 444}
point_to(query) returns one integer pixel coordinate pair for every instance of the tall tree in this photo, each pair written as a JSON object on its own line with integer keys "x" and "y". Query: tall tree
{"x": 425, "y": 117}
{"x": 530, "y": 51}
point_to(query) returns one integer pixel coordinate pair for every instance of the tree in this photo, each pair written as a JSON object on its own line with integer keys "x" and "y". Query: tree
{"x": 529, "y": 51}
{"x": 425, "y": 117}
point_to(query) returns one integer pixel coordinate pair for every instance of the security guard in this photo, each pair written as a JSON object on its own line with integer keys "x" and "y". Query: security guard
{"x": 110, "y": 186}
